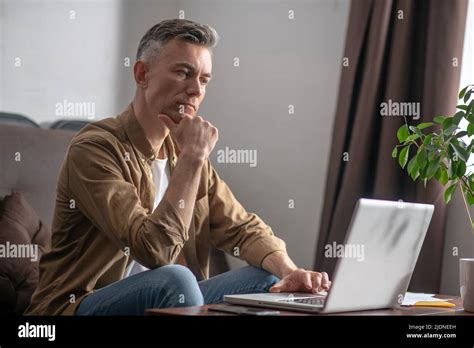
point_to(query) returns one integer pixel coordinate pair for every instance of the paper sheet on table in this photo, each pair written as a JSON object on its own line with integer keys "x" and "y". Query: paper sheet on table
{"x": 422, "y": 299}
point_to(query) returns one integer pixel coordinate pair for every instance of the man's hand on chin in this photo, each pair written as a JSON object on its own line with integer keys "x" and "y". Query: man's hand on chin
{"x": 301, "y": 280}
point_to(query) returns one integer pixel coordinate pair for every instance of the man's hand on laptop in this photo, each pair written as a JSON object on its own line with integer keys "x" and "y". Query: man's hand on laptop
{"x": 301, "y": 280}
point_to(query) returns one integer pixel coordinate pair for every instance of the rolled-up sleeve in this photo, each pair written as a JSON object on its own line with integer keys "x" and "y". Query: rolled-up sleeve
{"x": 234, "y": 230}
{"x": 111, "y": 203}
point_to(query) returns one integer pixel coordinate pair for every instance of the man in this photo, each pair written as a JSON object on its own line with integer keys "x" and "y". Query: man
{"x": 140, "y": 187}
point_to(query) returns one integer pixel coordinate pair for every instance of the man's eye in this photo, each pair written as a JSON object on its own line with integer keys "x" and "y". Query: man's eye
{"x": 182, "y": 73}
{"x": 204, "y": 82}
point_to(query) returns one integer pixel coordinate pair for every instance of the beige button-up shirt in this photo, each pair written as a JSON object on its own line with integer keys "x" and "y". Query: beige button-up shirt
{"x": 104, "y": 218}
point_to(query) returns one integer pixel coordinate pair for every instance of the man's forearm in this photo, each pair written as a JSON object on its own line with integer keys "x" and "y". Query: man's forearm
{"x": 279, "y": 264}
{"x": 183, "y": 186}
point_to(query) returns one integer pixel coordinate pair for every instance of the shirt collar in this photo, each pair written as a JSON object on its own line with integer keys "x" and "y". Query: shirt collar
{"x": 137, "y": 137}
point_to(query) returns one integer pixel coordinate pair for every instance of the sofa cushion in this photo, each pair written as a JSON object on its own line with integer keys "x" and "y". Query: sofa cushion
{"x": 23, "y": 239}
{"x": 7, "y": 296}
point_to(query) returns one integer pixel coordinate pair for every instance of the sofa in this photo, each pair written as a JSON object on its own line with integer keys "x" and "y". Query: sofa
{"x": 30, "y": 159}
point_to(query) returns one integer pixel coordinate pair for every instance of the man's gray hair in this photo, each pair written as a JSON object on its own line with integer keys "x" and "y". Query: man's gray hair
{"x": 161, "y": 33}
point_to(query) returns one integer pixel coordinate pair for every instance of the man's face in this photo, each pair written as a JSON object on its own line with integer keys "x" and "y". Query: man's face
{"x": 177, "y": 79}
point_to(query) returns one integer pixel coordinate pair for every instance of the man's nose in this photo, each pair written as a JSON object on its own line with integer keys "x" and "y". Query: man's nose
{"x": 195, "y": 88}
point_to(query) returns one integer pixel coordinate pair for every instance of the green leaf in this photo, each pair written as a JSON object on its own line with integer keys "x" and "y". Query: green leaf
{"x": 422, "y": 173}
{"x": 421, "y": 158}
{"x": 459, "y": 150}
{"x": 467, "y": 96}
{"x": 412, "y": 168}
{"x": 395, "y": 152}
{"x": 470, "y": 129}
{"x": 470, "y": 115}
{"x": 458, "y": 117}
{"x": 411, "y": 137}
{"x": 403, "y": 157}
{"x": 452, "y": 169}
{"x": 461, "y": 170}
{"x": 451, "y": 152}
{"x": 432, "y": 154}
{"x": 470, "y": 112}
{"x": 448, "y": 194}
{"x": 402, "y": 133}
{"x": 447, "y": 122}
{"x": 437, "y": 175}
{"x": 427, "y": 140}
{"x": 462, "y": 107}
{"x": 439, "y": 119}
{"x": 461, "y": 134}
{"x": 432, "y": 169}
{"x": 463, "y": 91}
{"x": 448, "y": 131}
{"x": 424, "y": 125}
{"x": 415, "y": 173}
{"x": 470, "y": 147}
{"x": 469, "y": 198}
{"x": 443, "y": 179}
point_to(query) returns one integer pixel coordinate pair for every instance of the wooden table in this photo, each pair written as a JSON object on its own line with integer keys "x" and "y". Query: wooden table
{"x": 409, "y": 311}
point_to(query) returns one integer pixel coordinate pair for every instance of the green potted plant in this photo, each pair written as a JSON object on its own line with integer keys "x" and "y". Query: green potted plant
{"x": 439, "y": 150}
{"x": 441, "y": 154}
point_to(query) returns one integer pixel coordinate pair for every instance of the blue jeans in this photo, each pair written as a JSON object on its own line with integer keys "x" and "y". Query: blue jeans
{"x": 172, "y": 286}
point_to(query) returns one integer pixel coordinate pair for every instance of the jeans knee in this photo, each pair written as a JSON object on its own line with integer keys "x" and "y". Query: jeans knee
{"x": 182, "y": 288}
{"x": 264, "y": 280}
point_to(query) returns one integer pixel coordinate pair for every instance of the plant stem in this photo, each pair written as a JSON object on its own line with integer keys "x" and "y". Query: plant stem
{"x": 467, "y": 207}
{"x": 468, "y": 187}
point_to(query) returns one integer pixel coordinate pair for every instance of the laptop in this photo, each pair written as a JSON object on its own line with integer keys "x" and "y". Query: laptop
{"x": 374, "y": 264}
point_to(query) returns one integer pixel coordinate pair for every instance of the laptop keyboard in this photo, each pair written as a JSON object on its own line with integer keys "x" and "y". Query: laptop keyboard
{"x": 319, "y": 301}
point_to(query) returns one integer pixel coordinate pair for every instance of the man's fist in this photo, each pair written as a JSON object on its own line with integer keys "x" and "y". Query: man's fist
{"x": 193, "y": 135}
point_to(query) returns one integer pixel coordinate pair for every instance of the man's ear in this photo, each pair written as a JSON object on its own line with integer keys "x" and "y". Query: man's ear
{"x": 140, "y": 72}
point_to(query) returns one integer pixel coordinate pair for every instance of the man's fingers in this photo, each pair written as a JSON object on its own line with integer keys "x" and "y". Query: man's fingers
{"x": 308, "y": 282}
{"x": 322, "y": 280}
{"x": 317, "y": 280}
{"x": 168, "y": 122}
{"x": 325, "y": 281}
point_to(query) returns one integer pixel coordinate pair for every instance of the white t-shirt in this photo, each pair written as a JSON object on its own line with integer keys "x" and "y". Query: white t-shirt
{"x": 161, "y": 176}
